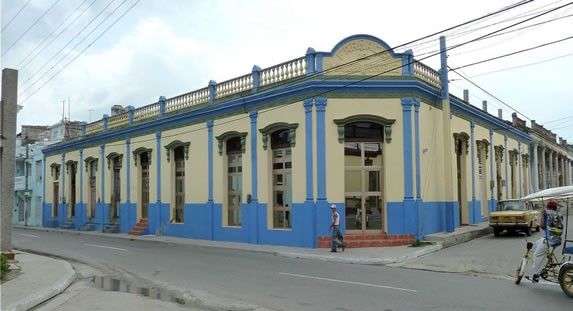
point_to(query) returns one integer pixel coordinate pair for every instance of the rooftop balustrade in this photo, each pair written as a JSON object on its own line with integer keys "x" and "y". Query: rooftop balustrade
{"x": 283, "y": 72}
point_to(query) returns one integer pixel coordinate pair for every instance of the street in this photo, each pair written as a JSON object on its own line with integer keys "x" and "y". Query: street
{"x": 229, "y": 277}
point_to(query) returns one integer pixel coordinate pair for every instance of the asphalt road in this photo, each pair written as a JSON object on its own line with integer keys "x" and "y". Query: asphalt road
{"x": 235, "y": 279}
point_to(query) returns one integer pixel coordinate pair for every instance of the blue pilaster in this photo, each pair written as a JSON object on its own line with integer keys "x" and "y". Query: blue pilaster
{"x": 253, "y": 224}
{"x": 158, "y": 153}
{"x": 321, "y": 103}
{"x": 407, "y": 103}
{"x": 99, "y": 217}
{"x": 84, "y": 125}
{"x": 419, "y": 203}
{"x": 492, "y": 178}
{"x": 81, "y": 213}
{"x": 519, "y": 164}
{"x": 309, "y": 207}
{"x": 128, "y": 170}
{"x": 410, "y": 212}
{"x": 210, "y": 206}
{"x": 45, "y": 214}
{"x": 63, "y": 208}
{"x": 474, "y": 217}
{"x": 307, "y": 103}
{"x": 505, "y": 159}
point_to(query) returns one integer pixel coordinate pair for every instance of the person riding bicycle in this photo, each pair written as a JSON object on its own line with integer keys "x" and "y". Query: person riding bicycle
{"x": 552, "y": 223}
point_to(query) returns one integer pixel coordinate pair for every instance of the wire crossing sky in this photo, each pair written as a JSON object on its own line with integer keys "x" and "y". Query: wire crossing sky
{"x": 126, "y": 52}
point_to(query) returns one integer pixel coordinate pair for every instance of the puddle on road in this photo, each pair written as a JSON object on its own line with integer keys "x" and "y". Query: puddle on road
{"x": 116, "y": 285}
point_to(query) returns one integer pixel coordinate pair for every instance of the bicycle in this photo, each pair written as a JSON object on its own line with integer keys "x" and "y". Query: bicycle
{"x": 555, "y": 270}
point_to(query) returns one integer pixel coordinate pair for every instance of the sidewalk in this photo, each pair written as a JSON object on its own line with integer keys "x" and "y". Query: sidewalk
{"x": 43, "y": 277}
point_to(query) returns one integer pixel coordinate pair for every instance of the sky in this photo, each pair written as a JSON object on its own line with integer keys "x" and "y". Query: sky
{"x": 77, "y": 58}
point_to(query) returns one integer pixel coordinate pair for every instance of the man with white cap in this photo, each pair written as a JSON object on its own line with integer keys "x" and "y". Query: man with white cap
{"x": 335, "y": 226}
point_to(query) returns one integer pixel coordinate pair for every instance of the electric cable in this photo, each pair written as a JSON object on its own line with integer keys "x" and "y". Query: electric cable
{"x": 31, "y": 26}
{"x": 13, "y": 17}
{"x": 89, "y": 45}
{"x": 21, "y": 65}
{"x": 513, "y": 53}
{"x": 65, "y": 46}
{"x": 69, "y": 52}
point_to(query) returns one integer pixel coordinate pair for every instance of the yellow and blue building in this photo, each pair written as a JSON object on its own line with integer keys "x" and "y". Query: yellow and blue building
{"x": 260, "y": 158}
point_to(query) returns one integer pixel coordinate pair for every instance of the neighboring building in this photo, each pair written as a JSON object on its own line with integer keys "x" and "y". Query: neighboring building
{"x": 551, "y": 162}
{"x": 28, "y": 183}
{"x": 259, "y": 158}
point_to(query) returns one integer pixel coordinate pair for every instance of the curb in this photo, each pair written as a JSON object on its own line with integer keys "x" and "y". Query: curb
{"x": 37, "y": 298}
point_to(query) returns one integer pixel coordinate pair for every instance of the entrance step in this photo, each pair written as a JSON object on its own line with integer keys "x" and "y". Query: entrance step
{"x": 369, "y": 240}
{"x": 88, "y": 227}
{"x": 69, "y": 224}
{"x": 111, "y": 228}
{"x": 140, "y": 228}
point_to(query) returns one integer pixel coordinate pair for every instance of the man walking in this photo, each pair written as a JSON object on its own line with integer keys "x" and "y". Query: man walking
{"x": 335, "y": 226}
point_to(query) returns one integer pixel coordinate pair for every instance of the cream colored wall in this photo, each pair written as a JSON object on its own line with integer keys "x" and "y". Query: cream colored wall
{"x": 389, "y": 108}
{"x": 295, "y": 113}
{"x": 431, "y": 153}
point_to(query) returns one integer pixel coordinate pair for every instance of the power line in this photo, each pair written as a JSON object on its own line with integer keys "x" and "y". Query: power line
{"x": 524, "y": 65}
{"x": 513, "y": 53}
{"x": 66, "y": 54}
{"x": 13, "y": 17}
{"x": 80, "y": 53}
{"x": 53, "y": 37}
{"x": 32, "y": 26}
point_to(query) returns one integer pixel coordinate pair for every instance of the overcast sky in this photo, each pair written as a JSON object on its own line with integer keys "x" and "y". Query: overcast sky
{"x": 92, "y": 54}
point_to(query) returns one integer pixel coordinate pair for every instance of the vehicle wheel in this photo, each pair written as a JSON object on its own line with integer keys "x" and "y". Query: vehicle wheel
{"x": 496, "y": 231}
{"x": 528, "y": 231}
{"x": 520, "y": 271}
{"x": 566, "y": 279}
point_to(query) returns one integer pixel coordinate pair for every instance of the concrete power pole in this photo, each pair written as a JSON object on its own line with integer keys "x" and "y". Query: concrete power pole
{"x": 8, "y": 111}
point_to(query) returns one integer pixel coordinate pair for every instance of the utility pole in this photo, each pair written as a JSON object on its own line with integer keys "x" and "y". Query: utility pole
{"x": 8, "y": 110}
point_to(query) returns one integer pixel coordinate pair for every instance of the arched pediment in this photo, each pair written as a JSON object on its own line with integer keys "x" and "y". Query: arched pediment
{"x": 174, "y": 144}
{"x": 464, "y": 137}
{"x": 88, "y": 161}
{"x": 386, "y": 123}
{"x": 271, "y": 128}
{"x": 227, "y": 135}
{"x": 111, "y": 157}
{"x": 139, "y": 151}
